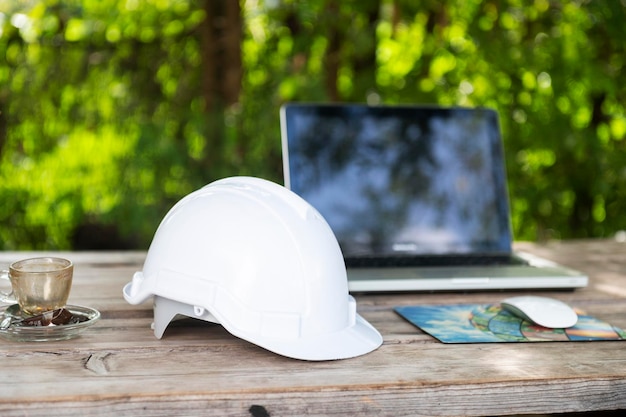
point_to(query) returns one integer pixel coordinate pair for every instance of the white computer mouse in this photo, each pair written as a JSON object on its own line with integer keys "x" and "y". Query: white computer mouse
{"x": 544, "y": 311}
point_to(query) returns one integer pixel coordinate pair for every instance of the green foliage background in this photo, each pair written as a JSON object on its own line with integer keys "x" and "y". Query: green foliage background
{"x": 103, "y": 128}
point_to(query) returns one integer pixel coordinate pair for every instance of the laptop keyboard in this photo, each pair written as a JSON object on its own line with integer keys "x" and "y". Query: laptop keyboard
{"x": 433, "y": 261}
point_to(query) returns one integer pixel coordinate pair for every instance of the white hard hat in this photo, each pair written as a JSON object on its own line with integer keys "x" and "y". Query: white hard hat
{"x": 253, "y": 256}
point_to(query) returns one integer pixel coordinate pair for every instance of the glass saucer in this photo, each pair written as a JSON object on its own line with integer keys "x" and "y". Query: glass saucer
{"x": 84, "y": 315}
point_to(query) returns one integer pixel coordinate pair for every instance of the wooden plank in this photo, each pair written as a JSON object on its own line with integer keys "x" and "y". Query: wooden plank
{"x": 419, "y": 372}
{"x": 470, "y": 400}
{"x": 217, "y": 364}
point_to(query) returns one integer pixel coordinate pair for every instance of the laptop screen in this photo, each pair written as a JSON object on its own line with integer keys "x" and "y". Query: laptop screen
{"x": 400, "y": 180}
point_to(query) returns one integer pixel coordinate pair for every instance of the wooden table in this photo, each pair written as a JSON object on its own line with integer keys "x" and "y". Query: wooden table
{"x": 117, "y": 367}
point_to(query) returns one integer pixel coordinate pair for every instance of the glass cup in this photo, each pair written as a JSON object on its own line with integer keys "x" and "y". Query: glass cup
{"x": 38, "y": 284}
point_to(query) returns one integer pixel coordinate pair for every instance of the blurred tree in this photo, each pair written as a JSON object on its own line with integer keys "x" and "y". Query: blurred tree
{"x": 112, "y": 110}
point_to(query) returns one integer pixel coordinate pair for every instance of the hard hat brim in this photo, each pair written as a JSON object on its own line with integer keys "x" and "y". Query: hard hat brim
{"x": 356, "y": 340}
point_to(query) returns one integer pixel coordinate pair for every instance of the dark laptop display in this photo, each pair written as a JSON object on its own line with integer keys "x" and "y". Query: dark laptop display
{"x": 416, "y": 196}
{"x": 392, "y": 181}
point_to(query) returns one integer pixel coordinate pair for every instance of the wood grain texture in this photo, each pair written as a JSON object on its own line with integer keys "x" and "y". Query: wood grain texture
{"x": 118, "y": 368}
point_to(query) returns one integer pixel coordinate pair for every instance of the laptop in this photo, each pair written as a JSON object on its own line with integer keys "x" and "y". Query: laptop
{"x": 416, "y": 196}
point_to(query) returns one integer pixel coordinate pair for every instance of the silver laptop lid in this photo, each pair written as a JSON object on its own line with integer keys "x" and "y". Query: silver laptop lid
{"x": 401, "y": 180}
